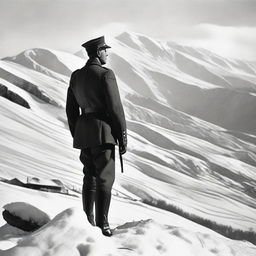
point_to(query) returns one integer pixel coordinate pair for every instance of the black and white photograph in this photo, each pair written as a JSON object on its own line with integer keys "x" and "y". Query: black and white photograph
{"x": 127, "y": 128}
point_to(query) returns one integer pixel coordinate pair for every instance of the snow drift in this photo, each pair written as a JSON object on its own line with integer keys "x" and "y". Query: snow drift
{"x": 145, "y": 237}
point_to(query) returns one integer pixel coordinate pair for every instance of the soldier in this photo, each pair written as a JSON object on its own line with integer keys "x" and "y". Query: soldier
{"x": 97, "y": 122}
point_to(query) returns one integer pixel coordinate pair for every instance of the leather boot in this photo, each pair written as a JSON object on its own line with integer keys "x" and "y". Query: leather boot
{"x": 88, "y": 197}
{"x": 103, "y": 199}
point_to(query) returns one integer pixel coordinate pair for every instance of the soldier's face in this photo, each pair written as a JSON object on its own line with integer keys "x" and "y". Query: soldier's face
{"x": 103, "y": 56}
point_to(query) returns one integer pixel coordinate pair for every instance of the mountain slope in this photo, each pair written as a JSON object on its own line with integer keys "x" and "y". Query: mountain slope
{"x": 193, "y": 83}
{"x": 191, "y": 126}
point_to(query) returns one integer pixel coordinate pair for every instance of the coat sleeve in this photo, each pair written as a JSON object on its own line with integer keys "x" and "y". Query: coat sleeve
{"x": 72, "y": 108}
{"x": 115, "y": 107}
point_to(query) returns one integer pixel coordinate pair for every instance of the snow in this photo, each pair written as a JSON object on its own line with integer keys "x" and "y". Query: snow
{"x": 55, "y": 238}
{"x": 72, "y": 62}
{"x": 174, "y": 156}
{"x": 144, "y": 237}
{"x": 51, "y": 88}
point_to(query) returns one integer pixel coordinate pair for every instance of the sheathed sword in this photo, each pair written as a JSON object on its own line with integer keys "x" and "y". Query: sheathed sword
{"x": 120, "y": 153}
{"x": 121, "y": 161}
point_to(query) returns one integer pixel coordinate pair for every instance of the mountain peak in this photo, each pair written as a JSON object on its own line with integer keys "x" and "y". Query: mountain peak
{"x": 47, "y": 61}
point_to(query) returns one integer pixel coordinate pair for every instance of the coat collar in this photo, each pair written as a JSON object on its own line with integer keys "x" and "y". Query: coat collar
{"x": 93, "y": 61}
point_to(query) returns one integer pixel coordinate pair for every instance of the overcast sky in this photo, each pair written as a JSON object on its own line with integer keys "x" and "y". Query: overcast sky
{"x": 227, "y": 27}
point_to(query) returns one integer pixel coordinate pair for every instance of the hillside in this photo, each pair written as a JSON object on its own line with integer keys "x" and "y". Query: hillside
{"x": 191, "y": 129}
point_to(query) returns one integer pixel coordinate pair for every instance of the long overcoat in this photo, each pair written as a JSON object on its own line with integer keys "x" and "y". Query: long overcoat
{"x": 94, "y": 110}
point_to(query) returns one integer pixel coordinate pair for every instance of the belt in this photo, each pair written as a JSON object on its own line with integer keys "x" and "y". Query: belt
{"x": 95, "y": 113}
{"x": 93, "y": 110}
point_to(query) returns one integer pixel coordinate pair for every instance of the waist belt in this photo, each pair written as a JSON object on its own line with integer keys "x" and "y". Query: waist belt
{"x": 92, "y": 110}
{"x": 95, "y": 113}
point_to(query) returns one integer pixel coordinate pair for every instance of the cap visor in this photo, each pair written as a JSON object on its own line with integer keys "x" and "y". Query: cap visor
{"x": 105, "y": 47}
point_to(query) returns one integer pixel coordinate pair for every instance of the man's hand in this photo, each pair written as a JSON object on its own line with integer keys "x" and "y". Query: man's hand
{"x": 122, "y": 149}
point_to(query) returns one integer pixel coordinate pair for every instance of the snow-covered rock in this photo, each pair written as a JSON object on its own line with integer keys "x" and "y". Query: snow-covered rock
{"x": 24, "y": 216}
{"x": 12, "y": 96}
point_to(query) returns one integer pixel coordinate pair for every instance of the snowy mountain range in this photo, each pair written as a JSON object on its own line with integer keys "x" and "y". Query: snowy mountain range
{"x": 191, "y": 131}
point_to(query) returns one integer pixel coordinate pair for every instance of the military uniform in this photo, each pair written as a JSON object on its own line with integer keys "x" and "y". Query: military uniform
{"x": 97, "y": 122}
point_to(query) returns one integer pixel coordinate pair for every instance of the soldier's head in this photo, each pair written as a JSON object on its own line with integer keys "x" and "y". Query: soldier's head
{"x": 97, "y": 48}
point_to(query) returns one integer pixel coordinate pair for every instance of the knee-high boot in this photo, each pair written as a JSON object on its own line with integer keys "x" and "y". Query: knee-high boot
{"x": 103, "y": 199}
{"x": 88, "y": 198}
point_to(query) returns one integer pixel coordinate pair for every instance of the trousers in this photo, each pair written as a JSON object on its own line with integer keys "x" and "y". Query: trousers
{"x": 99, "y": 167}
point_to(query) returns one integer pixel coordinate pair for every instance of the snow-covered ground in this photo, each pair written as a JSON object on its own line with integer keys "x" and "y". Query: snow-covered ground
{"x": 180, "y": 103}
{"x": 138, "y": 230}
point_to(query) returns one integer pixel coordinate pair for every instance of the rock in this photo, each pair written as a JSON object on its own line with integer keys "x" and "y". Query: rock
{"x": 24, "y": 216}
{"x": 12, "y": 96}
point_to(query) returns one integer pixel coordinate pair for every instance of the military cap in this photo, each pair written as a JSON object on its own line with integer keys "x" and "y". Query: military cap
{"x": 95, "y": 44}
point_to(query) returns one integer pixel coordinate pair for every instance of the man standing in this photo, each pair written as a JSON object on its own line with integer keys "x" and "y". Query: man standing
{"x": 97, "y": 122}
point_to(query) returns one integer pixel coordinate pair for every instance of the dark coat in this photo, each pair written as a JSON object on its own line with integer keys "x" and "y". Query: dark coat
{"x": 94, "y": 109}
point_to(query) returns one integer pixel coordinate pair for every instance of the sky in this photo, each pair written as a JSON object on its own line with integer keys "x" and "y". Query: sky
{"x": 227, "y": 27}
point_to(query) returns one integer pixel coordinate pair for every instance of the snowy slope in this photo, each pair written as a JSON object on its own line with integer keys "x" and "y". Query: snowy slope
{"x": 190, "y": 142}
{"x": 146, "y": 231}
